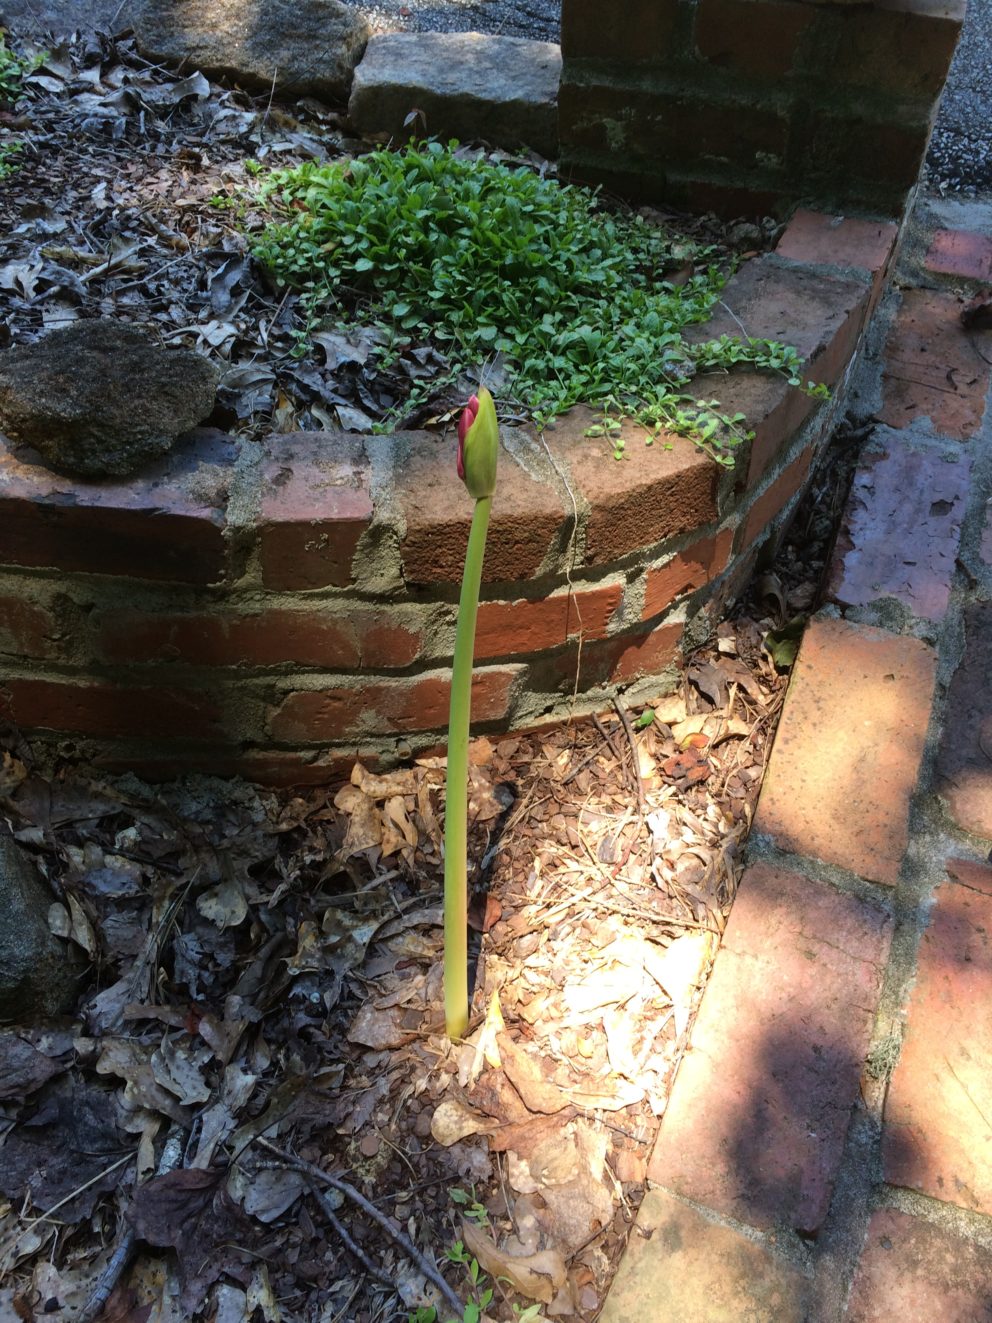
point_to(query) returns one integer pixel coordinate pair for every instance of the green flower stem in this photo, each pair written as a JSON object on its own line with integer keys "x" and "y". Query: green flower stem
{"x": 456, "y": 797}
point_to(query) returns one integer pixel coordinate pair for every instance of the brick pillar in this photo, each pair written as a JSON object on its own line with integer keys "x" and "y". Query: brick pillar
{"x": 751, "y": 106}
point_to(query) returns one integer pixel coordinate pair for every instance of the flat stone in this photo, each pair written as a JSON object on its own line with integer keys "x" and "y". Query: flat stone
{"x": 300, "y": 48}
{"x": 916, "y": 1272}
{"x": 467, "y": 85}
{"x": 964, "y": 762}
{"x": 932, "y": 369}
{"x": 681, "y": 1265}
{"x": 847, "y": 753}
{"x": 101, "y": 398}
{"x": 938, "y": 1113}
{"x": 901, "y": 530}
{"x": 756, "y": 1122}
{"x": 38, "y": 971}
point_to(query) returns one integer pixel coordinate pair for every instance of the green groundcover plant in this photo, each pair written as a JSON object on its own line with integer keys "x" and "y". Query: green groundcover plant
{"x": 13, "y": 67}
{"x": 438, "y": 244}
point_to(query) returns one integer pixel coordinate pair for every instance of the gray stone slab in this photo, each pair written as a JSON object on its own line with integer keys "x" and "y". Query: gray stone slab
{"x": 466, "y": 85}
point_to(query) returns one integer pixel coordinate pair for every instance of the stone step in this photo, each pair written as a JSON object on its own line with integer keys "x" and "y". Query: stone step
{"x": 466, "y": 85}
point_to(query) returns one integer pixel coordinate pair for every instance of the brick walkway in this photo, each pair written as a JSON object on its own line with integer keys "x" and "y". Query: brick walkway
{"x": 826, "y": 1156}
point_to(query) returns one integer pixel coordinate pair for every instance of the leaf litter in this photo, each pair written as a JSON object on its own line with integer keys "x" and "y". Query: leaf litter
{"x": 253, "y": 1113}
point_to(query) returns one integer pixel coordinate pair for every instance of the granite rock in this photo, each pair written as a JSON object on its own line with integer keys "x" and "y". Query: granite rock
{"x": 101, "y": 398}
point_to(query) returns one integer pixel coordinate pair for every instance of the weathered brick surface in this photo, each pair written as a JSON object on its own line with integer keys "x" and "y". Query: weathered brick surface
{"x": 846, "y": 241}
{"x": 961, "y": 253}
{"x": 819, "y": 315}
{"x": 108, "y": 709}
{"x": 914, "y": 1272}
{"x": 527, "y": 520}
{"x": 315, "y": 507}
{"x": 901, "y": 49}
{"x": 901, "y": 530}
{"x": 758, "y": 40}
{"x": 324, "y": 637}
{"x": 757, "y": 1118}
{"x": 964, "y": 762}
{"x": 658, "y": 495}
{"x": 166, "y": 523}
{"x": 938, "y": 1113}
{"x": 679, "y": 1265}
{"x": 646, "y": 654}
{"x": 685, "y": 571}
{"x": 26, "y": 629}
{"x": 883, "y": 157}
{"x": 848, "y": 748}
{"x": 644, "y": 123}
{"x": 932, "y": 369}
{"x": 641, "y": 31}
{"x": 507, "y": 628}
{"x": 775, "y": 498}
{"x": 324, "y": 715}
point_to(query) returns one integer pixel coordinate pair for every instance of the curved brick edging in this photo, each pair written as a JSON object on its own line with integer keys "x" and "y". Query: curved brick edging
{"x": 273, "y": 610}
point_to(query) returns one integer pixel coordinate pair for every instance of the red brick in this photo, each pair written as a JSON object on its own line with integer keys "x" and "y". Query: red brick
{"x": 961, "y": 253}
{"x": 964, "y": 761}
{"x": 166, "y": 523}
{"x": 315, "y": 507}
{"x": 528, "y": 517}
{"x": 895, "y": 49}
{"x": 900, "y": 532}
{"x": 937, "y": 1135}
{"x": 756, "y": 1123}
{"x": 316, "y": 637}
{"x": 647, "y": 654}
{"x": 679, "y": 1264}
{"x": 641, "y": 30}
{"x": 652, "y": 495}
{"x": 506, "y": 629}
{"x": 685, "y": 571}
{"x": 932, "y": 369}
{"x": 321, "y": 715}
{"x": 848, "y": 748}
{"x": 972, "y": 874}
{"x": 775, "y": 498}
{"x": 109, "y": 710}
{"x": 730, "y": 198}
{"x": 26, "y": 629}
{"x": 818, "y": 238}
{"x": 820, "y": 316}
{"x": 852, "y": 154}
{"x": 752, "y": 37}
{"x": 915, "y": 1272}
{"x": 646, "y": 123}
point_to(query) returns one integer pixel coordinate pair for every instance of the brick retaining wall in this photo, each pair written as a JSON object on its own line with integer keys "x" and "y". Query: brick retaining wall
{"x": 748, "y": 106}
{"x": 276, "y": 609}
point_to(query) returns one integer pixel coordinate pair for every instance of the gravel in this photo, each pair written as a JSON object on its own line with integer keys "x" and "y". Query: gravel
{"x": 537, "y": 19}
{"x": 960, "y": 158}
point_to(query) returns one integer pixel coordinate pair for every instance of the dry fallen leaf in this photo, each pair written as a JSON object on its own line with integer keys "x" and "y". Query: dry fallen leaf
{"x": 536, "y": 1276}
{"x": 454, "y": 1120}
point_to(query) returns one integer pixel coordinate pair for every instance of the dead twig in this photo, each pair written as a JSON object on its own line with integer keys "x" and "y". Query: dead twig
{"x": 370, "y": 1210}
{"x": 172, "y": 1153}
{"x": 346, "y": 1239}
